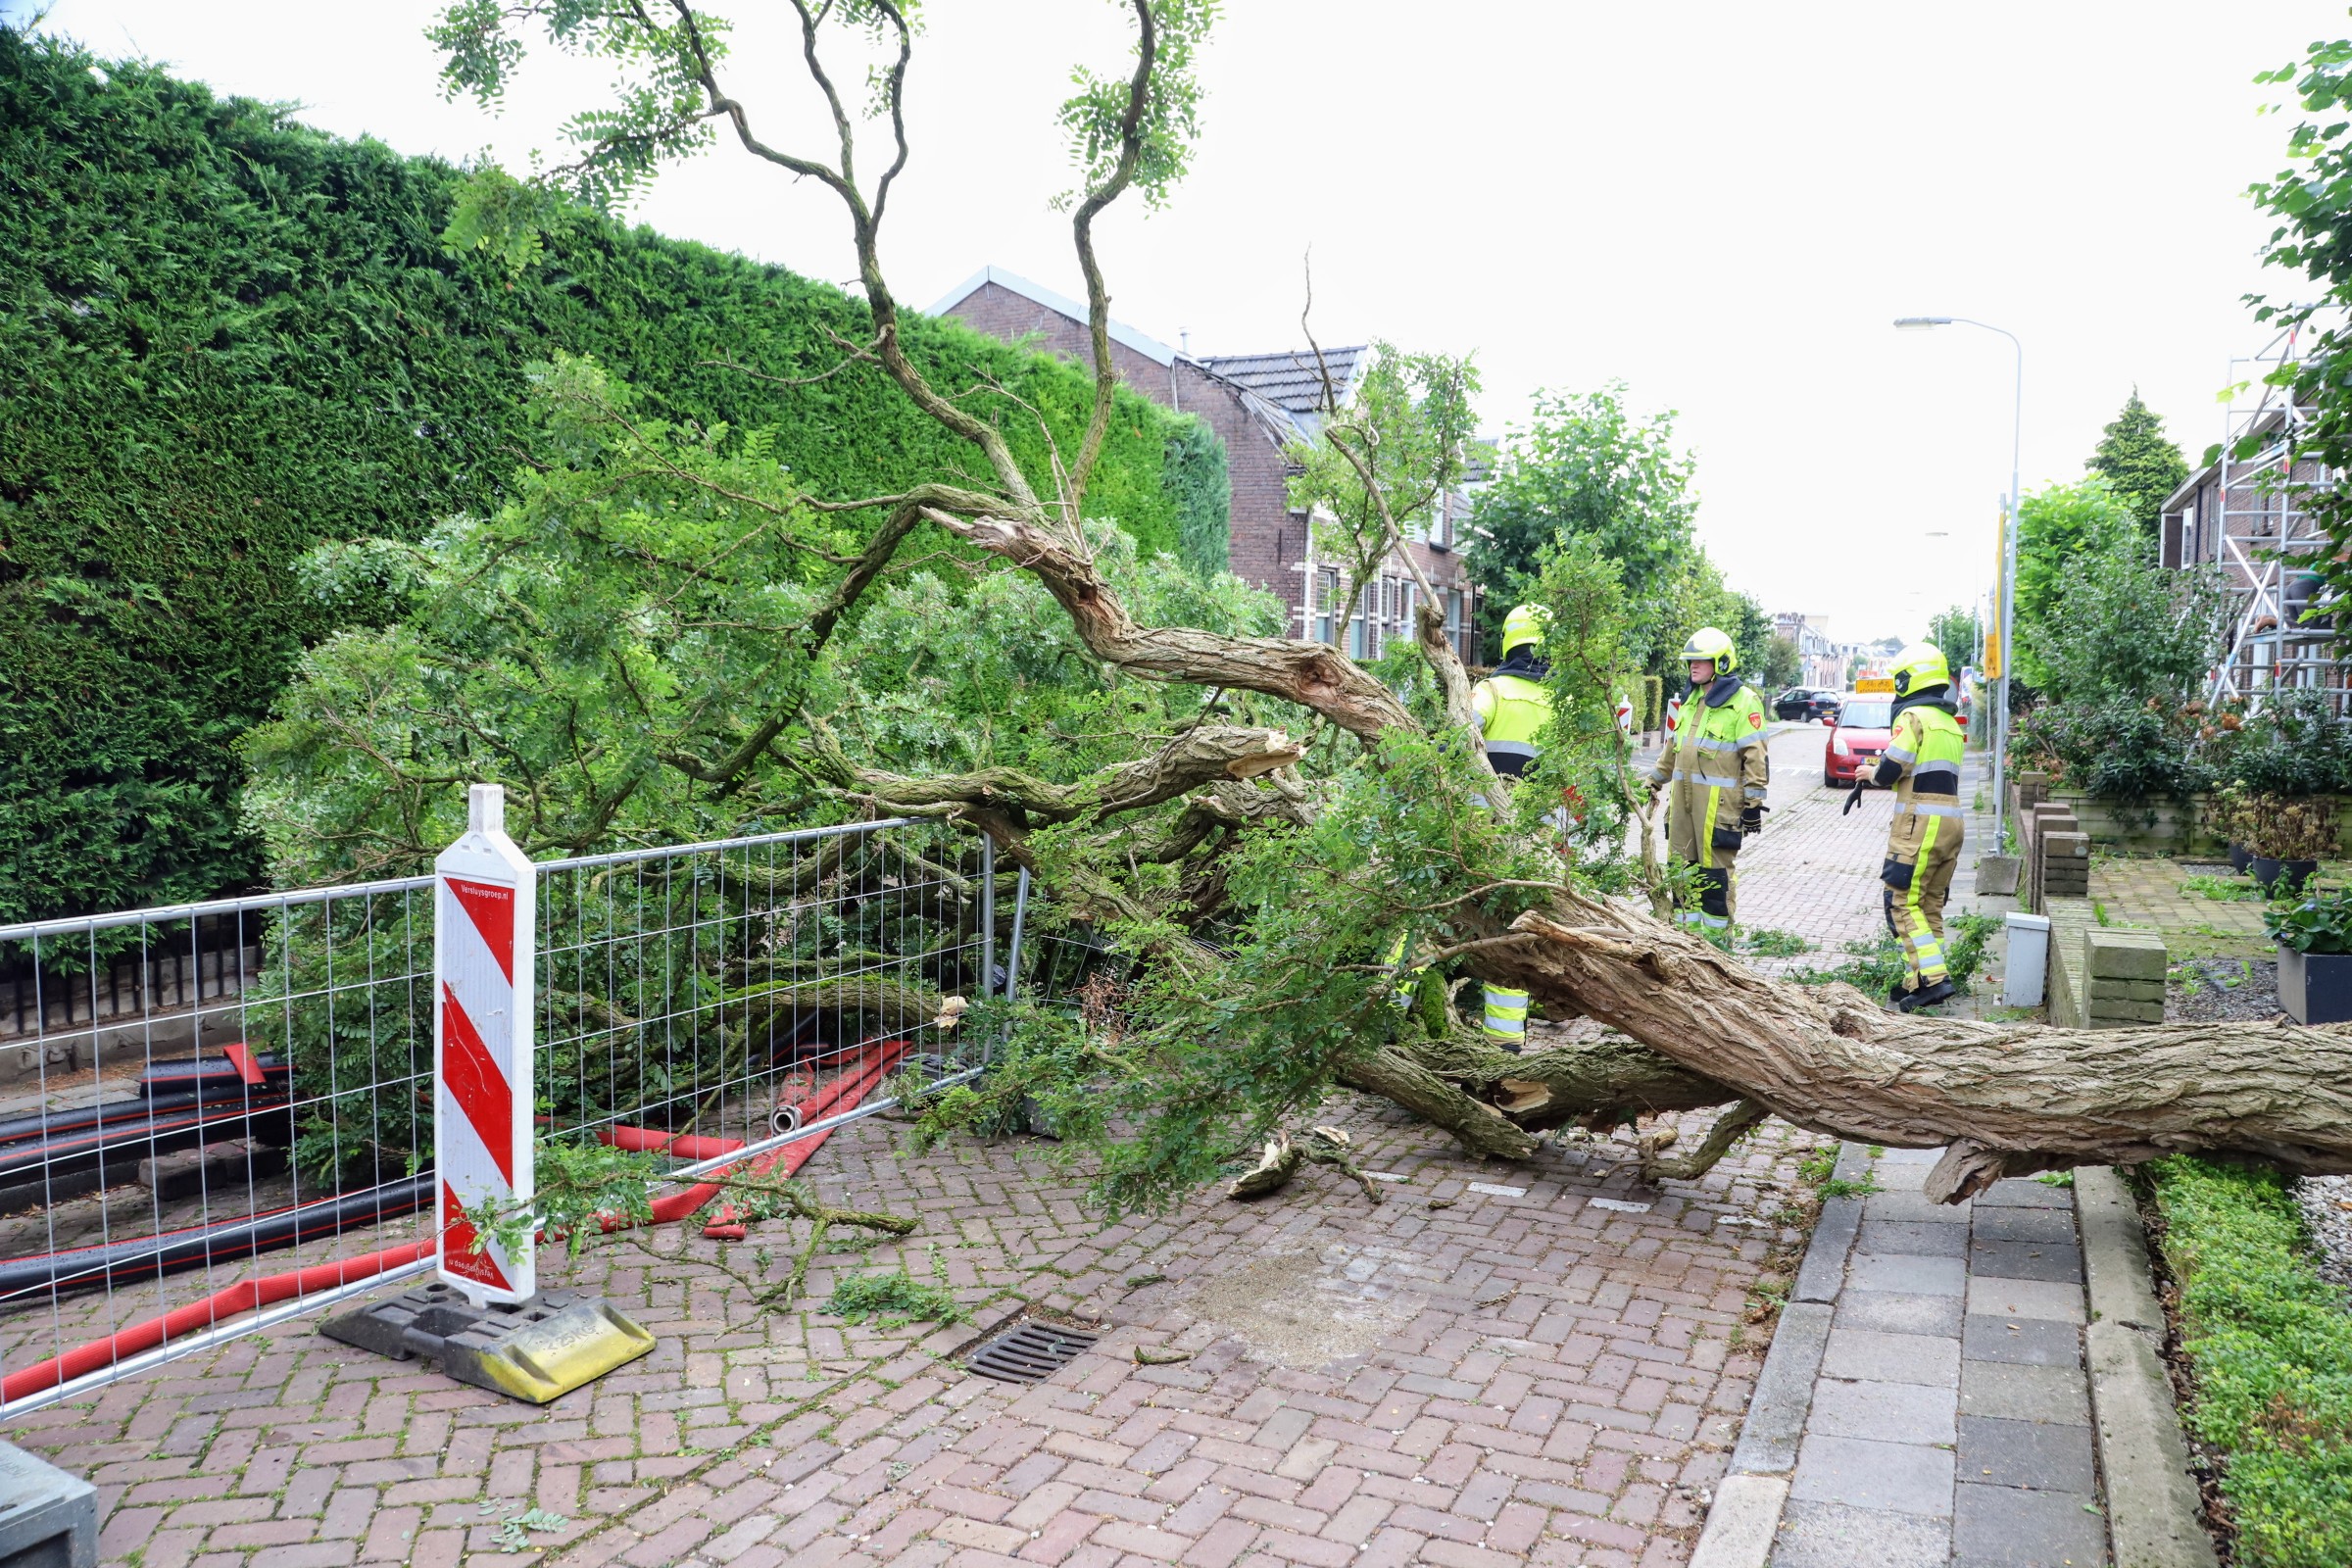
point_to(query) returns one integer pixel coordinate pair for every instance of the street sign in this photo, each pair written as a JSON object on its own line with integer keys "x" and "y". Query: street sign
{"x": 483, "y": 977}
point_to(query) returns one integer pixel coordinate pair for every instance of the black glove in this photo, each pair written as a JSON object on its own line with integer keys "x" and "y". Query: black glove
{"x": 1751, "y": 820}
{"x": 1853, "y": 798}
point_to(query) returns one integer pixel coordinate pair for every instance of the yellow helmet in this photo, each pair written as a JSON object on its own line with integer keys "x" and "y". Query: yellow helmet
{"x": 1710, "y": 643}
{"x": 1920, "y": 666}
{"x": 1526, "y": 623}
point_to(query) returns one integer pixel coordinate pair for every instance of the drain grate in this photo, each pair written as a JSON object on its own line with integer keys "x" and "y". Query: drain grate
{"x": 1031, "y": 1353}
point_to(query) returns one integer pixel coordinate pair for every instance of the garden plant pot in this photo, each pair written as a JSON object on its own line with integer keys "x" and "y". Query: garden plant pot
{"x": 2316, "y": 987}
{"x": 2280, "y": 879}
{"x": 2241, "y": 857}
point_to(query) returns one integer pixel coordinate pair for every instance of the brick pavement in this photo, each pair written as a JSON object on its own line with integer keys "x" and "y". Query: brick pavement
{"x": 2151, "y": 891}
{"x": 1515, "y": 1376}
{"x": 1552, "y": 1375}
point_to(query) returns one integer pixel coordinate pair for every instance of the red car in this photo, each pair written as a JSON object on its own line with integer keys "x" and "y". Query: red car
{"x": 1855, "y": 740}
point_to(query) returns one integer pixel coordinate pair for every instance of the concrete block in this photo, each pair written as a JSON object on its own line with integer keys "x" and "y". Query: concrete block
{"x": 1823, "y": 1271}
{"x": 1740, "y": 1525}
{"x": 1887, "y": 1412}
{"x": 2071, "y": 845}
{"x": 2045, "y": 1455}
{"x": 2104, "y": 1013}
{"x": 2111, "y": 989}
{"x": 1783, "y": 1396}
{"x": 2127, "y": 955}
{"x": 1895, "y": 1312}
{"x": 47, "y": 1517}
{"x": 1913, "y": 1478}
{"x": 1830, "y": 1535}
{"x": 1997, "y": 875}
{"x": 2115, "y": 1252}
{"x": 2060, "y": 1394}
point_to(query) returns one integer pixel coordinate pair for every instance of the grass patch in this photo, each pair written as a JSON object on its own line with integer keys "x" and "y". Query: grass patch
{"x": 1874, "y": 965}
{"x": 1768, "y": 943}
{"x": 893, "y": 1301}
{"x": 2268, "y": 1344}
{"x": 2221, "y": 889}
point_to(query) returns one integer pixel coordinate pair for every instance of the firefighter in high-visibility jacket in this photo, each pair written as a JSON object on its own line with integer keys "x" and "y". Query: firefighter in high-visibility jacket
{"x": 1511, "y": 707}
{"x": 1715, "y": 769}
{"x": 1922, "y": 761}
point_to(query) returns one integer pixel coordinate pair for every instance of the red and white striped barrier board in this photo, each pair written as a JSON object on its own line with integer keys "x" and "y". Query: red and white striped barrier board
{"x": 483, "y": 977}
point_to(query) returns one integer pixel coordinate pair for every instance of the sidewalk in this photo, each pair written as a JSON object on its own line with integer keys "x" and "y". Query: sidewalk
{"x": 1950, "y": 1417}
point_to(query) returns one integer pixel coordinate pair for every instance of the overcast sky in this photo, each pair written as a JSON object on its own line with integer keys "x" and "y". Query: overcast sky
{"x": 1722, "y": 205}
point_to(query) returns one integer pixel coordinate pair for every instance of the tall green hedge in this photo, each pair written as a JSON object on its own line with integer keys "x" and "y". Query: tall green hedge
{"x": 224, "y": 336}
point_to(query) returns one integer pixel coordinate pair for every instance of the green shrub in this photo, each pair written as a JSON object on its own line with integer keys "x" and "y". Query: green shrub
{"x": 2270, "y": 1343}
{"x": 225, "y": 337}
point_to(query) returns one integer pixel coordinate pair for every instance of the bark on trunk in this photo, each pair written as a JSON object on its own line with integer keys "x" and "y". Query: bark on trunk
{"x": 2012, "y": 1099}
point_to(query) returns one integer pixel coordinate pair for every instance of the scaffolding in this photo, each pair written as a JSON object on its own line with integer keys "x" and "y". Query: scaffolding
{"x": 2250, "y": 515}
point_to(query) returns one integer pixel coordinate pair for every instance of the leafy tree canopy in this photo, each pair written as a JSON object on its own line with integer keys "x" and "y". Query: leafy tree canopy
{"x": 2060, "y": 529}
{"x": 2141, "y": 466}
{"x": 1585, "y": 468}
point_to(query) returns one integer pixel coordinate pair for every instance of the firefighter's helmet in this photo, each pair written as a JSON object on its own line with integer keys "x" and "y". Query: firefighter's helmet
{"x": 1710, "y": 643}
{"x": 1920, "y": 666}
{"x": 1526, "y": 623}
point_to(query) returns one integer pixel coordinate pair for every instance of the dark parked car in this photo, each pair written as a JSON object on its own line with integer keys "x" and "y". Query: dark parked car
{"x": 1806, "y": 704}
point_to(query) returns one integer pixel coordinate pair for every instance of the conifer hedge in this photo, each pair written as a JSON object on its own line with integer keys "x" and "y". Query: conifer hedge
{"x": 224, "y": 336}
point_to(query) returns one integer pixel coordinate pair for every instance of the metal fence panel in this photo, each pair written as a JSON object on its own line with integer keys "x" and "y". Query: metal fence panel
{"x": 222, "y": 1114}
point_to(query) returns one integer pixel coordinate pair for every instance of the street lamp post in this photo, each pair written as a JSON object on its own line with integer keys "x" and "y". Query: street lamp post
{"x": 2005, "y": 613}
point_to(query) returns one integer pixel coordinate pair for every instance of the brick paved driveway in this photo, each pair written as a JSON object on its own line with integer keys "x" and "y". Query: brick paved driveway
{"x": 1549, "y": 1373}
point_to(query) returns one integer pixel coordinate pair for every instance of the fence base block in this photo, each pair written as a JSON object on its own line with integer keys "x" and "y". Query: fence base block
{"x": 533, "y": 1350}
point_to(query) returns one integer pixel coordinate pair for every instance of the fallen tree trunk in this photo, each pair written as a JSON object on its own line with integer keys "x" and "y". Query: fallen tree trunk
{"x": 2009, "y": 1099}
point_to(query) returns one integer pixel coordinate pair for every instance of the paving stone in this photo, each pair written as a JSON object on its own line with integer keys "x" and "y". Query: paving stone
{"x": 2013, "y": 1391}
{"x": 1888, "y": 1412}
{"x": 1893, "y": 1312}
{"x": 1913, "y": 1207}
{"x": 1899, "y": 1178}
{"x": 2043, "y": 1455}
{"x": 2014, "y": 1224}
{"x": 2024, "y": 1192}
{"x": 1912, "y": 1477}
{"x": 1830, "y": 1535}
{"x": 2015, "y": 1529}
{"x": 2059, "y": 1262}
{"x": 2021, "y": 1299}
{"x": 1915, "y": 1238}
{"x": 1859, "y": 1353}
{"x": 2024, "y": 1341}
{"x": 1910, "y": 1156}
{"x": 1909, "y": 1275}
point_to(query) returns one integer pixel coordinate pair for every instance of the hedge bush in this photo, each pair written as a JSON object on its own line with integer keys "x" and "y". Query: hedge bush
{"x": 2270, "y": 1346}
{"x": 225, "y": 337}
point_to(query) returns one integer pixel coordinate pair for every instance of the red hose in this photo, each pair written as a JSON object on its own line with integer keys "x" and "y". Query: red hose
{"x": 852, "y": 1085}
{"x": 251, "y": 1296}
{"x": 245, "y": 1297}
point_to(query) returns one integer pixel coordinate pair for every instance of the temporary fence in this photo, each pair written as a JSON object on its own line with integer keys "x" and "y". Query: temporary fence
{"x": 192, "y": 1162}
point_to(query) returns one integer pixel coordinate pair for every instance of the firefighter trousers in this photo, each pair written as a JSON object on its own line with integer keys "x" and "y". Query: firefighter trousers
{"x": 1923, "y": 851}
{"x": 1716, "y": 887}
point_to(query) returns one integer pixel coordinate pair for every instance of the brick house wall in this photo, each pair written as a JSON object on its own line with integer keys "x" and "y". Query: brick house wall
{"x": 1270, "y": 541}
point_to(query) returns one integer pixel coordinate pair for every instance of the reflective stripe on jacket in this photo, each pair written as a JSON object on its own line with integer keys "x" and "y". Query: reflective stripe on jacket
{"x": 1926, "y": 744}
{"x": 1511, "y": 711}
{"x": 1715, "y": 764}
